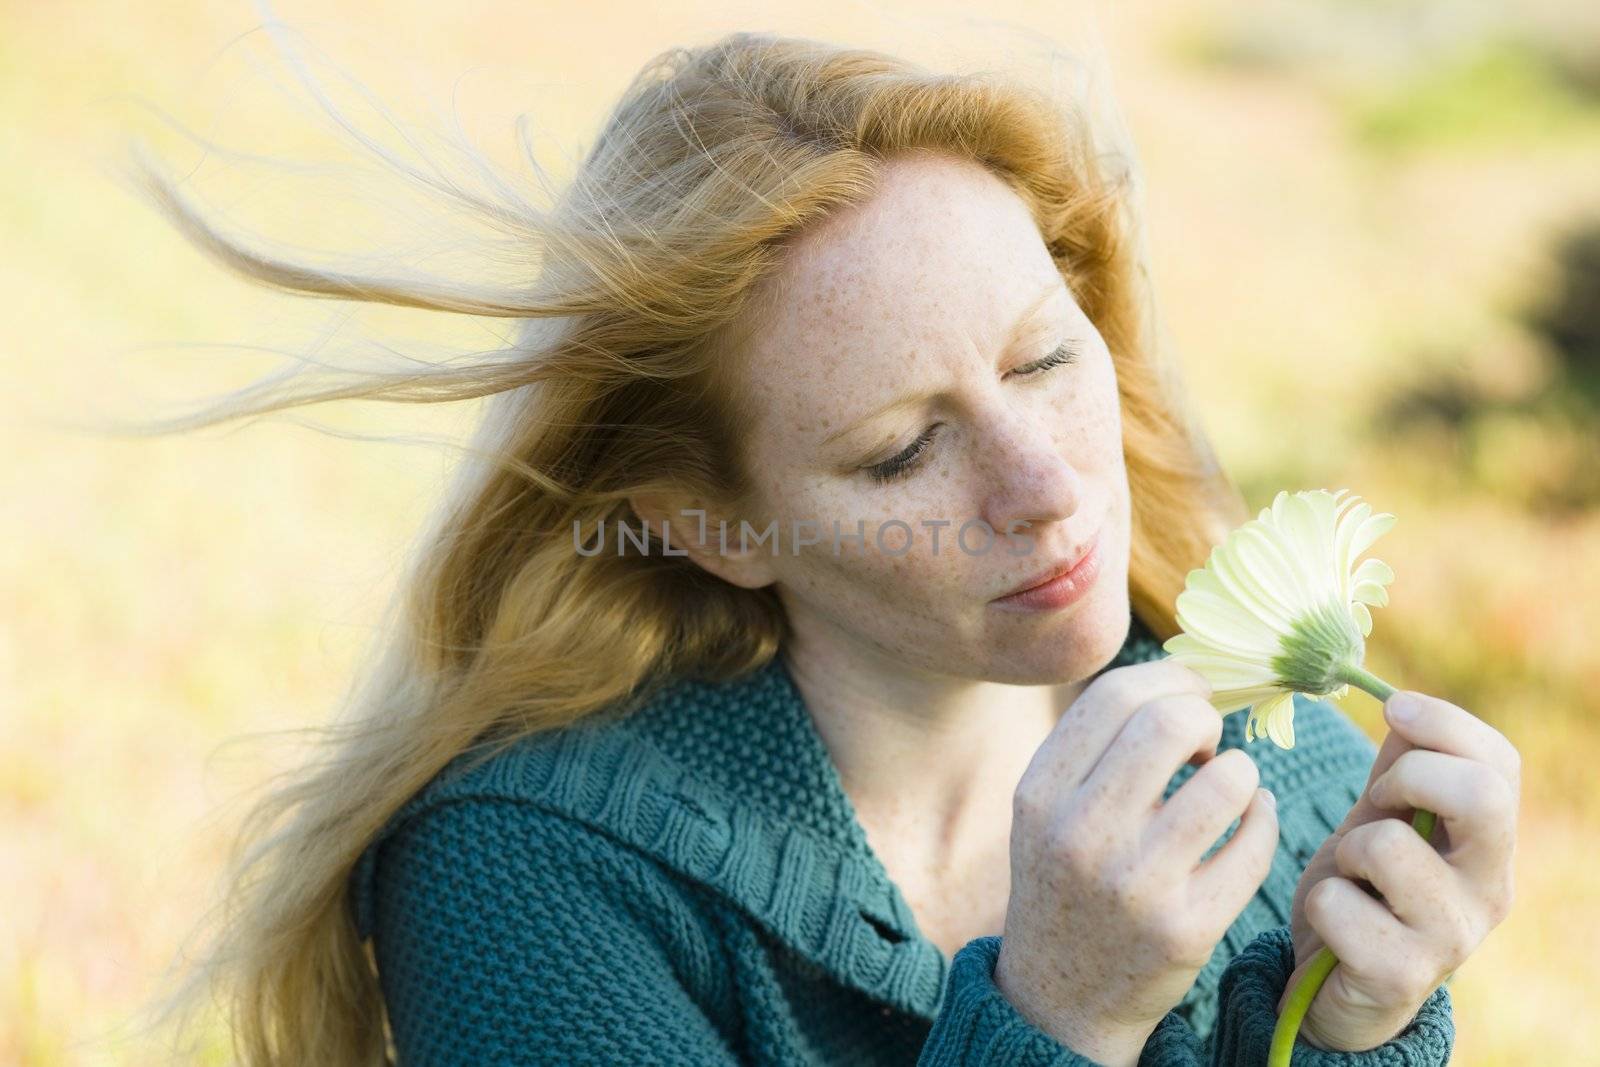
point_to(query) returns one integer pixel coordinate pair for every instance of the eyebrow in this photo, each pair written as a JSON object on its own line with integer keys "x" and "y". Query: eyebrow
{"x": 910, "y": 399}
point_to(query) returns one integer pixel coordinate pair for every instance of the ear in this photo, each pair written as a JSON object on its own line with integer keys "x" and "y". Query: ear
{"x": 691, "y": 527}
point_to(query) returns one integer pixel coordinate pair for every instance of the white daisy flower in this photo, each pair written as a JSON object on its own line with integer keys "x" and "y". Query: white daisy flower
{"x": 1281, "y": 607}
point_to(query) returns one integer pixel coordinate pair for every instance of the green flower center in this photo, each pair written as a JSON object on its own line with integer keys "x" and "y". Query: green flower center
{"x": 1317, "y": 648}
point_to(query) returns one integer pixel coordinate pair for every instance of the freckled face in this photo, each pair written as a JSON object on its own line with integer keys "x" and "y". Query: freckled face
{"x": 939, "y": 288}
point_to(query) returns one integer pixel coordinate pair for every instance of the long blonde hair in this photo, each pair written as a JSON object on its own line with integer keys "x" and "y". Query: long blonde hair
{"x": 620, "y": 382}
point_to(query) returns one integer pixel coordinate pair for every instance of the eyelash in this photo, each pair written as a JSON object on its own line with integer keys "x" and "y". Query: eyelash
{"x": 898, "y": 466}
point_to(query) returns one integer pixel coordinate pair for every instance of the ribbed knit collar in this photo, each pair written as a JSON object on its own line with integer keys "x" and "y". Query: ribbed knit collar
{"x": 754, "y": 740}
{"x": 730, "y": 786}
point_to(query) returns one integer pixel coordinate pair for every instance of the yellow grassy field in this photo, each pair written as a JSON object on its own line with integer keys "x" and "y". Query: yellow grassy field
{"x": 1323, "y": 246}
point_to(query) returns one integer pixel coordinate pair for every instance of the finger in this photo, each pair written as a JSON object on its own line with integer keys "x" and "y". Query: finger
{"x": 1424, "y": 895}
{"x": 1194, "y": 817}
{"x": 1444, "y": 727}
{"x": 1165, "y": 733}
{"x": 1476, "y": 805}
{"x": 1084, "y": 731}
{"x": 1364, "y": 810}
{"x": 1418, "y": 886}
{"x": 1365, "y": 936}
{"x": 1226, "y": 881}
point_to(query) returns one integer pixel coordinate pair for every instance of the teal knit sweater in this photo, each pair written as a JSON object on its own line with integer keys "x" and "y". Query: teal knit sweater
{"x": 688, "y": 884}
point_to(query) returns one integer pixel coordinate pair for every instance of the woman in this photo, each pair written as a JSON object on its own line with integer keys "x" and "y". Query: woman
{"x": 714, "y": 730}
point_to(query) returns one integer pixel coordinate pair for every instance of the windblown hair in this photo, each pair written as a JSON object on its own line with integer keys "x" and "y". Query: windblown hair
{"x": 622, "y": 380}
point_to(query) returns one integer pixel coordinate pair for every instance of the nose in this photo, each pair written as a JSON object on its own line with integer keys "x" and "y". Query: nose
{"x": 1029, "y": 480}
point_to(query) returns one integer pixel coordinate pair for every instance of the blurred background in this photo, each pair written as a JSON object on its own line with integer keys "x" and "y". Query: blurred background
{"x": 1375, "y": 232}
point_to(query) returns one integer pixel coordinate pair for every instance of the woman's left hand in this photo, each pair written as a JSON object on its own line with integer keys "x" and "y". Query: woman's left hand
{"x": 1439, "y": 899}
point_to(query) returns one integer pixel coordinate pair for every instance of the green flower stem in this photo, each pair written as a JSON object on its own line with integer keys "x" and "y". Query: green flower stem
{"x": 1299, "y": 1002}
{"x": 1323, "y": 961}
{"x": 1363, "y": 679}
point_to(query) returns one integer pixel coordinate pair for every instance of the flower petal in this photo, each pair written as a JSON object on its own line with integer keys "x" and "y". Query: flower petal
{"x": 1370, "y": 579}
{"x": 1277, "y": 715}
{"x": 1248, "y": 628}
{"x": 1187, "y": 647}
{"x": 1230, "y": 700}
{"x": 1363, "y": 617}
{"x": 1225, "y": 672}
{"x": 1233, "y": 576}
{"x": 1344, "y": 538}
{"x": 1271, "y": 576}
{"x": 1220, "y": 621}
{"x": 1369, "y": 531}
{"x": 1306, "y": 540}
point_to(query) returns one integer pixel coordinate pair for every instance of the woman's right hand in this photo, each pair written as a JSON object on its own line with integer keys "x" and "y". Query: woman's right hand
{"x": 1111, "y": 914}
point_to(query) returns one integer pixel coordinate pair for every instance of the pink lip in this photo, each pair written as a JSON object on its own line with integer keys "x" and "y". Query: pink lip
{"x": 1059, "y": 589}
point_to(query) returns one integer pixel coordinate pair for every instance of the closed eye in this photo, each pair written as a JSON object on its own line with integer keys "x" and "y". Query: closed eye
{"x": 1066, "y": 352}
{"x": 899, "y": 466}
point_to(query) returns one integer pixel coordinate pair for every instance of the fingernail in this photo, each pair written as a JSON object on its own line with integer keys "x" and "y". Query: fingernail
{"x": 1266, "y": 794}
{"x": 1402, "y": 707}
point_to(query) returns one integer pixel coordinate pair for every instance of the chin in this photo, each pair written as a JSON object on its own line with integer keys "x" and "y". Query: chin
{"x": 1058, "y": 658}
{"x": 1073, "y": 646}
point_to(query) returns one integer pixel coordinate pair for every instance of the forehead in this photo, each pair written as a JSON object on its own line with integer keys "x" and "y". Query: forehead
{"x": 943, "y": 252}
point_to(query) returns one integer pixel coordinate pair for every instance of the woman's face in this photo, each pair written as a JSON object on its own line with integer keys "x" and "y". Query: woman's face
{"x": 908, "y": 368}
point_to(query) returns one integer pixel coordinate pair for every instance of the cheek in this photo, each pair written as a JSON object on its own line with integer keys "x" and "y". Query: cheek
{"x": 1091, "y": 419}
{"x": 881, "y": 539}
{"x": 899, "y": 605}
{"x": 1093, "y": 440}
{"x": 886, "y": 554}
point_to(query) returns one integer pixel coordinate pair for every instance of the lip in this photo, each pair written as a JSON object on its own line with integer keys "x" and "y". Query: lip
{"x": 1062, "y": 584}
